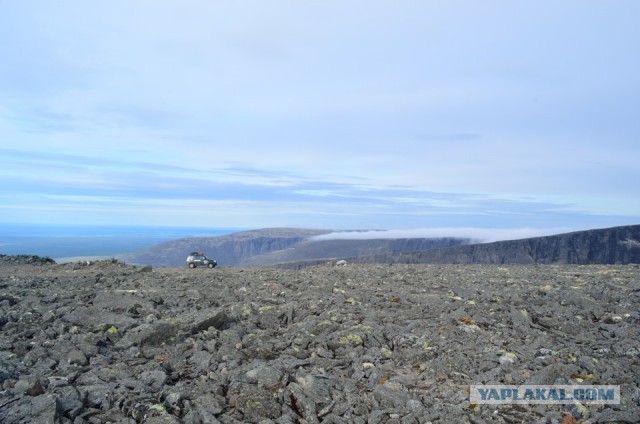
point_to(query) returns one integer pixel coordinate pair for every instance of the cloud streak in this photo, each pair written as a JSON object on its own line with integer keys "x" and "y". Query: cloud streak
{"x": 476, "y": 235}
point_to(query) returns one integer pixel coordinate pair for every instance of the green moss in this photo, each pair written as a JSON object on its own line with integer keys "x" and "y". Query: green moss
{"x": 112, "y": 330}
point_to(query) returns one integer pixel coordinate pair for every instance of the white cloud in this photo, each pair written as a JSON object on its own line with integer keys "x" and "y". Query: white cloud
{"x": 481, "y": 235}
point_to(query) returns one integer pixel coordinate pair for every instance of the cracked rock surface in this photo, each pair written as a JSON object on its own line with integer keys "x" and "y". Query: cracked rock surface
{"x": 107, "y": 342}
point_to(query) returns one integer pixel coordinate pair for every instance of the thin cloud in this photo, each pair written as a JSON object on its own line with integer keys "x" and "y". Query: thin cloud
{"x": 479, "y": 235}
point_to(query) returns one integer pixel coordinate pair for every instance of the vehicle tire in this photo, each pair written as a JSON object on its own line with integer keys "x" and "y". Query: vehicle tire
{"x": 211, "y": 265}
{"x": 192, "y": 265}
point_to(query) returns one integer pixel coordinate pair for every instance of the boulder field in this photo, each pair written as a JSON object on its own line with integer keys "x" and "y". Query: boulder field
{"x": 107, "y": 342}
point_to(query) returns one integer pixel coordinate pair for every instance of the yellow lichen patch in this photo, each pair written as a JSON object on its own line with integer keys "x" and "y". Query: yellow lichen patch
{"x": 264, "y": 309}
{"x": 508, "y": 357}
{"x": 157, "y": 407}
{"x": 453, "y": 295}
{"x": 351, "y": 339}
{"x": 580, "y": 377}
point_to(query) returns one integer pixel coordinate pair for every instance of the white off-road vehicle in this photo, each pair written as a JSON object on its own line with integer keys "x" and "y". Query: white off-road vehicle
{"x": 196, "y": 259}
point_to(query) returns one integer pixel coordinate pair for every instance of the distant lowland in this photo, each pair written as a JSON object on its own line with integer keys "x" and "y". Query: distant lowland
{"x": 70, "y": 243}
{"x": 299, "y": 248}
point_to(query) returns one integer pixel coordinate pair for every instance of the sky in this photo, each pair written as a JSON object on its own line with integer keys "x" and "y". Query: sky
{"x": 412, "y": 115}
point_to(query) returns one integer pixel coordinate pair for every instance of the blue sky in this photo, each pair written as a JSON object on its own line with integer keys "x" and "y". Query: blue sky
{"x": 333, "y": 114}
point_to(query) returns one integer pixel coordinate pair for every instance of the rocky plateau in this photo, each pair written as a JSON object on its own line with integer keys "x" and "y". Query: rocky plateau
{"x": 106, "y": 342}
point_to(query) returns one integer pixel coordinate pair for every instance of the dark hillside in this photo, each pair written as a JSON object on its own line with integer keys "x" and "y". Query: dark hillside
{"x": 327, "y": 250}
{"x": 617, "y": 245}
{"x": 229, "y": 250}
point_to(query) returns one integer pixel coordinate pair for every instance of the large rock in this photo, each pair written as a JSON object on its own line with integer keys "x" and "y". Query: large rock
{"x": 160, "y": 333}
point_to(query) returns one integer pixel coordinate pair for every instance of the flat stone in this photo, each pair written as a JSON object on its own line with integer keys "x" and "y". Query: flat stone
{"x": 264, "y": 375}
{"x": 31, "y": 386}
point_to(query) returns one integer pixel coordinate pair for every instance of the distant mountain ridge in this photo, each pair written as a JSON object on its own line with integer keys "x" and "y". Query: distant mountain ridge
{"x": 271, "y": 246}
{"x": 327, "y": 250}
{"x": 296, "y": 248}
{"x": 616, "y": 245}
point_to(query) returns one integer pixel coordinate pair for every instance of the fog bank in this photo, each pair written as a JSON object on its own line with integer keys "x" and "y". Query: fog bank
{"x": 477, "y": 235}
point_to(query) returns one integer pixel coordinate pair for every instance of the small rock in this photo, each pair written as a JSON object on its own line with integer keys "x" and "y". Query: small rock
{"x": 612, "y": 319}
{"x": 415, "y": 406}
{"x": 257, "y": 404}
{"x": 219, "y": 321}
{"x": 77, "y": 357}
{"x": 45, "y": 409}
{"x": 173, "y": 402}
{"x": 155, "y": 379}
{"x": 391, "y": 396}
{"x": 508, "y": 358}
